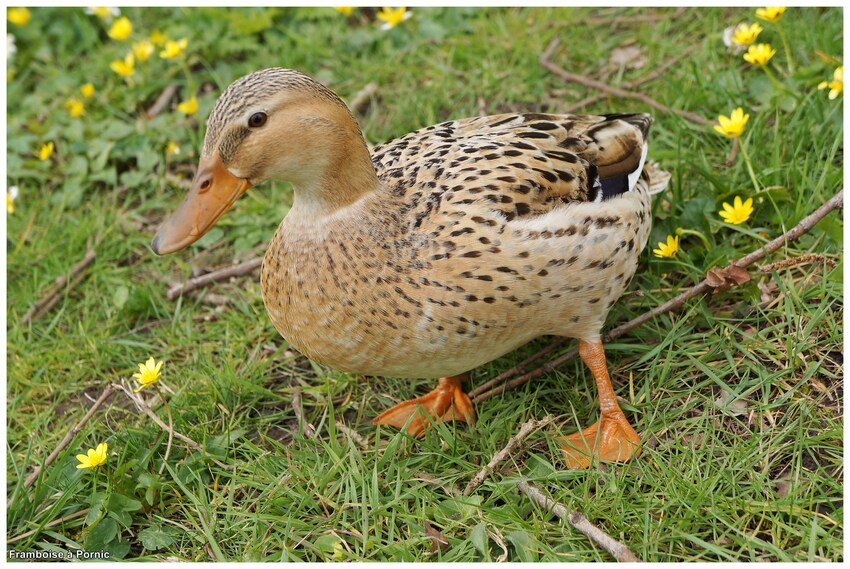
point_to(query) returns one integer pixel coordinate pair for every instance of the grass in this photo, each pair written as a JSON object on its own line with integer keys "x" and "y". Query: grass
{"x": 738, "y": 397}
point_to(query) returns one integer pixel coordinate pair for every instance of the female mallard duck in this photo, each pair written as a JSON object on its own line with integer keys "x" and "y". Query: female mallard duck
{"x": 440, "y": 251}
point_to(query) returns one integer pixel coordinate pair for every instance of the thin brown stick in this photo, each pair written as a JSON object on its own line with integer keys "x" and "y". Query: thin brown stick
{"x": 162, "y": 101}
{"x": 360, "y": 101}
{"x": 520, "y": 367}
{"x": 794, "y": 261}
{"x": 615, "y": 91}
{"x": 675, "y": 303}
{"x": 145, "y": 408}
{"x": 618, "y": 550}
{"x": 241, "y": 269}
{"x": 308, "y": 429}
{"x": 50, "y": 524}
{"x": 352, "y": 434}
{"x": 515, "y": 441}
{"x": 51, "y": 296}
{"x": 733, "y": 153}
{"x": 107, "y": 393}
{"x": 612, "y": 20}
{"x": 633, "y": 84}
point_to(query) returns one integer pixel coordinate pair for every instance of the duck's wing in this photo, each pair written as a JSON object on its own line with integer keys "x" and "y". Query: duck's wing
{"x": 514, "y": 165}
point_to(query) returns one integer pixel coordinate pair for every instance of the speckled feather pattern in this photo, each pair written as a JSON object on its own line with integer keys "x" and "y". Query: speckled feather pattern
{"x": 483, "y": 234}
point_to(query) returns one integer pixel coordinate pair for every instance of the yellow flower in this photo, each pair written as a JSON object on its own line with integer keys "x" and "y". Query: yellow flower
{"x": 393, "y": 17}
{"x": 87, "y": 90}
{"x": 173, "y": 48}
{"x": 346, "y": 10}
{"x": 121, "y": 29}
{"x": 744, "y": 34}
{"x": 732, "y": 126}
{"x": 668, "y": 249}
{"x": 158, "y": 38}
{"x": 188, "y": 107}
{"x": 105, "y": 13}
{"x": 75, "y": 107}
{"x": 836, "y": 86}
{"x": 143, "y": 50}
{"x": 770, "y": 13}
{"x": 148, "y": 373}
{"x": 737, "y": 213}
{"x": 759, "y": 54}
{"x": 124, "y": 67}
{"x": 46, "y": 151}
{"x": 11, "y": 196}
{"x": 172, "y": 148}
{"x": 18, "y": 16}
{"x": 94, "y": 458}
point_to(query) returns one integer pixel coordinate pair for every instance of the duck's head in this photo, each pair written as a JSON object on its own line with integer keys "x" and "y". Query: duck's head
{"x": 274, "y": 124}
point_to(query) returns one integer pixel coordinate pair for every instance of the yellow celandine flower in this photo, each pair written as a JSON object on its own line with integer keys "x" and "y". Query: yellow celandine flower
{"x": 158, "y": 38}
{"x": 18, "y": 16}
{"x": 392, "y": 17}
{"x": 745, "y": 34}
{"x": 172, "y": 148}
{"x": 836, "y": 86}
{"x": 87, "y": 90}
{"x": 346, "y": 10}
{"x": 124, "y": 67}
{"x": 732, "y": 126}
{"x": 11, "y": 196}
{"x": 94, "y": 458}
{"x": 667, "y": 250}
{"x": 738, "y": 212}
{"x": 148, "y": 373}
{"x": 46, "y": 151}
{"x": 173, "y": 48}
{"x": 105, "y": 13}
{"x": 143, "y": 50}
{"x": 75, "y": 107}
{"x": 759, "y": 54}
{"x": 188, "y": 107}
{"x": 770, "y": 13}
{"x": 121, "y": 29}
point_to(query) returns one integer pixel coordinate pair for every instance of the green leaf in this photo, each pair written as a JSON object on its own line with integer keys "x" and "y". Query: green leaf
{"x": 478, "y": 537}
{"x": 524, "y": 545}
{"x": 120, "y": 503}
{"x": 102, "y": 534}
{"x": 120, "y": 296}
{"x": 157, "y": 537}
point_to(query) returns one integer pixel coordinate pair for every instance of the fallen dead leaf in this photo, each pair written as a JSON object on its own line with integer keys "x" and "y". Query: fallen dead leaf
{"x": 438, "y": 540}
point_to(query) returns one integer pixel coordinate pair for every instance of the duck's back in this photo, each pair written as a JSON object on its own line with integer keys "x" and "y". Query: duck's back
{"x": 488, "y": 232}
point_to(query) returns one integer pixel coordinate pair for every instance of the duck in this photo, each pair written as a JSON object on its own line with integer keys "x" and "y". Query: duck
{"x": 439, "y": 251}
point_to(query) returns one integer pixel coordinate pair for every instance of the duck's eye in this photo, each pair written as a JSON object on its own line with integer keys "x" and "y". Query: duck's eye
{"x": 257, "y": 120}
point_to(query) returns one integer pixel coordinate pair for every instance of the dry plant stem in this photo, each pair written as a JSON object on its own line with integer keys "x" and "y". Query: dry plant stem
{"x": 50, "y": 524}
{"x": 49, "y": 299}
{"x": 618, "y": 550}
{"x": 107, "y": 393}
{"x": 241, "y": 269}
{"x": 675, "y": 303}
{"x": 352, "y": 434}
{"x": 140, "y": 403}
{"x": 631, "y": 84}
{"x": 170, "y": 435}
{"x": 794, "y": 261}
{"x": 526, "y": 429}
{"x": 733, "y": 154}
{"x": 360, "y": 101}
{"x": 162, "y": 101}
{"x": 593, "y": 84}
{"x": 308, "y": 429}
{"x": 557, "y": 343}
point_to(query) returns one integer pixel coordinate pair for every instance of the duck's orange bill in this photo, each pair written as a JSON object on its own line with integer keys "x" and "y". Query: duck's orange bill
{"x": 213, "y": 191}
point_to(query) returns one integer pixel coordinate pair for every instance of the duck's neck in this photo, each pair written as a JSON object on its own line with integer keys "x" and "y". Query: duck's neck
{"x": 342, "y": 176}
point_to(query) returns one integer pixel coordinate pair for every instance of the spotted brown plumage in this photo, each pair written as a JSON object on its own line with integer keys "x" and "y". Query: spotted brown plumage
{"x": 441, "y": 250}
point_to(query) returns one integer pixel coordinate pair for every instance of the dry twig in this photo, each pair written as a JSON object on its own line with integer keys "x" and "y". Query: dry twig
{"x": 308, "y": 429}
{"x": 618, "y": 550}
{"x": 352, "y": 434}
{"x": 547, "y": 63}
{"x": 241, "y": 269}
{"x": 50, "y": 524}
{"x": 794, "y": 261}
{"x": 51, "y": 296}
{"x": 360, "y": 101}
{"x": 675, "y": 303}
{"x": 107, "y": 393}
{"x": 526, "y": 429}
{"x": 162, "y": 101}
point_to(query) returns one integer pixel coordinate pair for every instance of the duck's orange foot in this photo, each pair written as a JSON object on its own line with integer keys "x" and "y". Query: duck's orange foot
{"x": 446, "y": 402}
{"x": 611, "y": 439}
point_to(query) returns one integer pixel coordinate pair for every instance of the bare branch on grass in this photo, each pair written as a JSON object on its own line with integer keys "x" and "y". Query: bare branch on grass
{"x": 515, "y": 441}
{"x": 50, "y": 524}
{"x": 794, "y": 261}
{"x": 241, "y": 269}
{"x": 306, "y": 428}
{"x": 162, "y": 101}
{"x": 618, "y": 550}
{"x": 361, "y": 100}
{"x": 52, "y": 295}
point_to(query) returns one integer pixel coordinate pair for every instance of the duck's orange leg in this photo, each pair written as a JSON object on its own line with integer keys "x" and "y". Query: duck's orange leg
{"x": 447, "y": 402}
{"x": 612, "y": 438}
